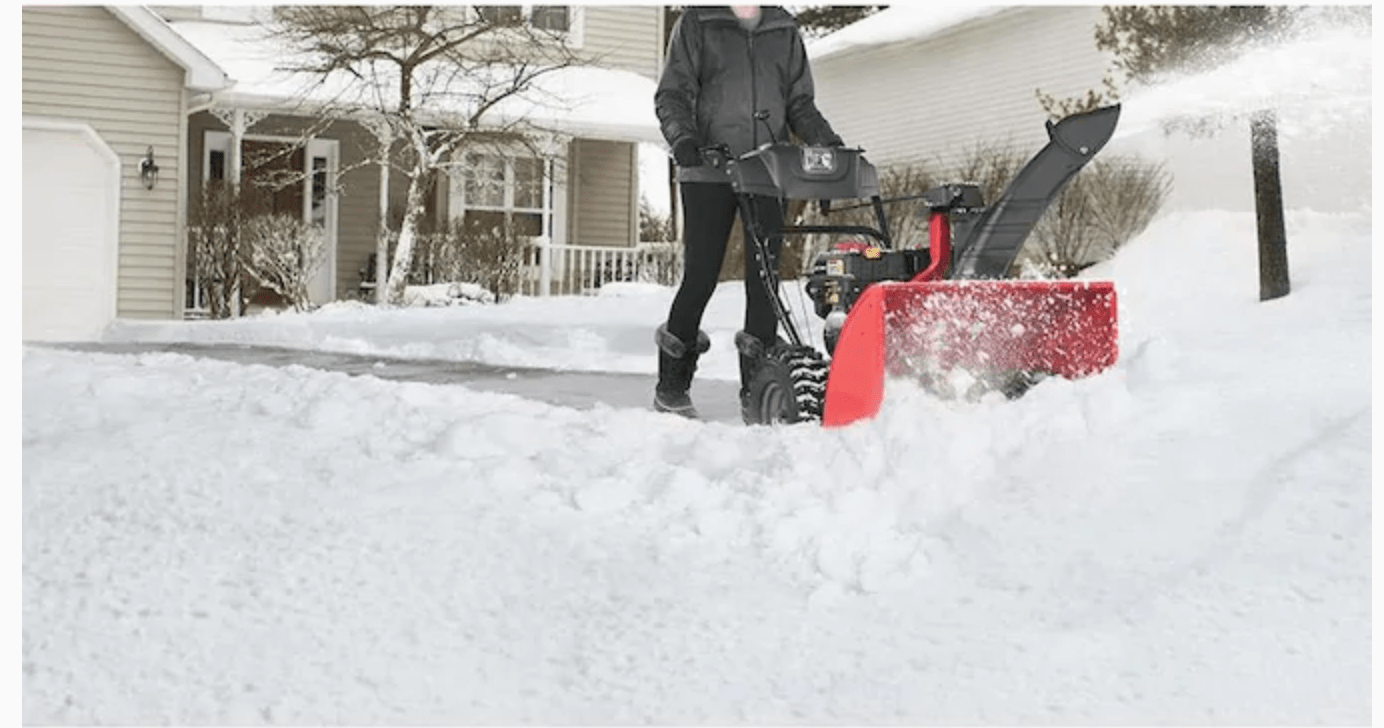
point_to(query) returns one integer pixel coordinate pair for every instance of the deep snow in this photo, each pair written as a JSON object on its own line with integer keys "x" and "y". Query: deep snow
{"x": 1184, "y": 538}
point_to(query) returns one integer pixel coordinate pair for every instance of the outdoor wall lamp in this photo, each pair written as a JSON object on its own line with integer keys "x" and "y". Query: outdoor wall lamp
{"x": 148, "y": 170}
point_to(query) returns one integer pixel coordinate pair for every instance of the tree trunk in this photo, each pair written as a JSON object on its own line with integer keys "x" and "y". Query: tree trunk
{"x": 408, "y": 232}
{"x": 382, "y": 236}
{"x": 1268, "y": 205}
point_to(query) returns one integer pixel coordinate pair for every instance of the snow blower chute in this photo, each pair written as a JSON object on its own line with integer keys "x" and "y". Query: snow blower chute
{"x": 942, "y": 314}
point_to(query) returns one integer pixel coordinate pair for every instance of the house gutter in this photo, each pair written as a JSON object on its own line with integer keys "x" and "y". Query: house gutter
{"x": 200, "y": 103}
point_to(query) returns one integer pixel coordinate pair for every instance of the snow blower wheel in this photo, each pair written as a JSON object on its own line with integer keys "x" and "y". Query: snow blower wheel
{"x": 787, "y": 387}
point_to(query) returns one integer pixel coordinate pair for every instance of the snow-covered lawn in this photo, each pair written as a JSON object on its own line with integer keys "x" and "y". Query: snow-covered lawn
{"x": 1182, "y": 539}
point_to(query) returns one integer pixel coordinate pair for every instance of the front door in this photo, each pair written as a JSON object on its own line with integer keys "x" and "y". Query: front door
{"x": 309, "y": 191}
{"x": 319, "y": 208}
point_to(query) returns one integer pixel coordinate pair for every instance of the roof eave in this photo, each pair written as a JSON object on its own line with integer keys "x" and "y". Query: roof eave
{"x": 201, "y": 74}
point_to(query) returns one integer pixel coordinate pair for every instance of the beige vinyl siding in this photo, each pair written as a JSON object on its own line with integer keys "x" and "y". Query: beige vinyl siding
{"x": 624, "y": 36}
{"x": 83, "y": 64}
{"x": 934, "y": 99}
{"x": 602, "y": 184}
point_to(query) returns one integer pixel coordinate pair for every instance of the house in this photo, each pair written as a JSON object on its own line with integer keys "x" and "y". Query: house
{"x": 106, "y": 96}
{"x": 205, "y": 93}
{"x": 929, "y": 82}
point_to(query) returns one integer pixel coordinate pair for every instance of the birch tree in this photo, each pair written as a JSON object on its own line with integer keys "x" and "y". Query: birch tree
{"x": 436, "y": 80}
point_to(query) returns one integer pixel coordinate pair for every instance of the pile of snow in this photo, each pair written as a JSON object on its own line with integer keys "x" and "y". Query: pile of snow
{"x": 1184, "y": 538}
{"x": 607, "y": 103}
{"x": 447, "y": 294}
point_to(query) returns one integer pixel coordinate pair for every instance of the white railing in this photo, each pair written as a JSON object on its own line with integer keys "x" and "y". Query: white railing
{"x": 569, "y": 270}
{"x": 548, "y": 270}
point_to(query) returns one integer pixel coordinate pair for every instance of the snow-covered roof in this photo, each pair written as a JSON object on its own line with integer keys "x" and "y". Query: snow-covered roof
{"x": 583, "y": 101}
{"x": 899, "y": 23}
{"x": 203, "y": 74}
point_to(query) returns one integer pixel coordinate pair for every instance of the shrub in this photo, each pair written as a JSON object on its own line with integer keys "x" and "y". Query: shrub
{"x": 654, "y": 227}
{"x": 481, "y": 251}
{"x": 284, "y": 253}
{"x": 1103, "y": 207}
{"x": 660, "y": 263}
{"x": 217, "y": 250}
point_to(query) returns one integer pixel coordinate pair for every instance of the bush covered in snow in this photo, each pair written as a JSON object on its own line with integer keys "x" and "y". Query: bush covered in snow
{"x": 447, "y": 294}
{"x": 487, "y": 253}
{"x": 284, "y": 252}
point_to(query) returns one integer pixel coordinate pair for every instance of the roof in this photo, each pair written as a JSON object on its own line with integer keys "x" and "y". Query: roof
{"x": 584, "y": 101}
{"x": 202, "y": 73}
{"x": 898, "y": 24}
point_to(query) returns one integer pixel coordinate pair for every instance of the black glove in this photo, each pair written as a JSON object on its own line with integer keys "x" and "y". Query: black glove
{"x": 687, "y": 152}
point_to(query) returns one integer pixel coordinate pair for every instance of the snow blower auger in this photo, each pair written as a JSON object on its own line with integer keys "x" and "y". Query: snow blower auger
{"x": 941, "y": 315}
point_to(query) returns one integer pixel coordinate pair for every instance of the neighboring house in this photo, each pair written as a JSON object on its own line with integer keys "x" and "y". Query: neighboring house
{"x": 931, "y": 82}
{"x": 102, "y": 88}
{"x": 199, "y": 86}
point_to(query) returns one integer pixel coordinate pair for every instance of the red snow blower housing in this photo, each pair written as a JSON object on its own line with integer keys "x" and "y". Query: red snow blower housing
{"x": 942, "y": 315}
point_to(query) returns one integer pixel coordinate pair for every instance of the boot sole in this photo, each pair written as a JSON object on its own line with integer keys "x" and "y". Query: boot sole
{"x": 690, "y": 412}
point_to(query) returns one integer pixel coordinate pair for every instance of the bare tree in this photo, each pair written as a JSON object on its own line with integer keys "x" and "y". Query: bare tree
{"x": 217, "y": 250}
{"x": 435, "y": 79}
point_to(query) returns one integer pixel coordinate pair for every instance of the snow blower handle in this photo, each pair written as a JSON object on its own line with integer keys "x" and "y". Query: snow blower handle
{"x": 716, "y": 155}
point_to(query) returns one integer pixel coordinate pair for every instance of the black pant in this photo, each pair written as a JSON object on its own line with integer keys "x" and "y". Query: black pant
{"x": 708, "y": 211}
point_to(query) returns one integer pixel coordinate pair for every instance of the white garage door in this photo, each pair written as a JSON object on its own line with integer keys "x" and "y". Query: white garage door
{"x": 71, "y": 231}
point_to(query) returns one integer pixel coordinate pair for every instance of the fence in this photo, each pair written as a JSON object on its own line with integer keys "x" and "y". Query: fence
{"x": 566, "y": 270}
{"x": 548, "y": 270}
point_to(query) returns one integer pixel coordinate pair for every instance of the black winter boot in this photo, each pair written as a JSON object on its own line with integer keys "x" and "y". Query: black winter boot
{"x": 677, "y": 362}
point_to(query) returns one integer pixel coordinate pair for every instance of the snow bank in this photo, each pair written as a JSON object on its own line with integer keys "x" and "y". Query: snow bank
{"x": 1184, "y": 538}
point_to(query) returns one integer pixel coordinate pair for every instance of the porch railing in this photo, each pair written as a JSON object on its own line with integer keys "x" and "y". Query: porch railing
{"x": 548, "y": 270}
{"x": 567, "y": 270}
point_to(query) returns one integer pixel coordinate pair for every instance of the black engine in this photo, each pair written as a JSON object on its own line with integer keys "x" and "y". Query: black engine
{"x": 839, "y": 276}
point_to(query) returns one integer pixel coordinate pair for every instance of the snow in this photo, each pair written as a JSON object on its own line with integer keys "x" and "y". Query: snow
{"x": 587, "y": 101}
{"x": 897, "y": 23}
{"x": 1316, "y": 83}
{"x": 1183, "y": 538}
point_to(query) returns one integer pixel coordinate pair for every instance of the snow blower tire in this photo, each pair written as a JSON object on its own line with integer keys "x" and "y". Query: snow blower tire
{"x": 788, "y": 387}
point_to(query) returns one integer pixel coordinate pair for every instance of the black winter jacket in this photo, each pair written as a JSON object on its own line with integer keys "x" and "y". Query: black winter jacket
{"x": 718, "y": 74}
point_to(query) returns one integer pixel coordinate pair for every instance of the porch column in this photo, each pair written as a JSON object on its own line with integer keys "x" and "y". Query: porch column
{"x": 237, "y": 120}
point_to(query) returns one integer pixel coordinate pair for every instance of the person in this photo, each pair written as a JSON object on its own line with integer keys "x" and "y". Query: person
{"x": 735, "y": 78}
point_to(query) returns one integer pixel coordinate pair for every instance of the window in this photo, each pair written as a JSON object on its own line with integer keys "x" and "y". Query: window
{"x": 555, "y": 18}
{"x": 551, "y": 18}
{"x": 492, "y": 189}
{"x": 501, "y": 14}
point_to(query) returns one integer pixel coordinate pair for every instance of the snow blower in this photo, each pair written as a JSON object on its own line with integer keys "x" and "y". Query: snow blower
{"x": 943, "y": 315}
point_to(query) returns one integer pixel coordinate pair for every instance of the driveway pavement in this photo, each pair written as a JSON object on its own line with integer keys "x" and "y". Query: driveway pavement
{"x": 716, "y": 400}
